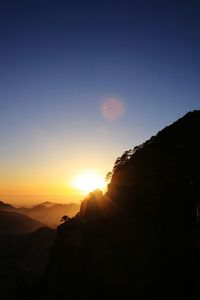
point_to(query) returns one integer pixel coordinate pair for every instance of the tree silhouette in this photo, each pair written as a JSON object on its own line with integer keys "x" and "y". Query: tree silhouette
{"x": 65, "y": 219}
{"x": 120, "y": 162}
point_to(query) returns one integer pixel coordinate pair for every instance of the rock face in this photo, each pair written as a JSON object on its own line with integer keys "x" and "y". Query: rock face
{"x": 142, "y": 237}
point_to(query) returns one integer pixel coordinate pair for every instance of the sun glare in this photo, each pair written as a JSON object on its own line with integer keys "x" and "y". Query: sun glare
{"x": 88, "y": 181}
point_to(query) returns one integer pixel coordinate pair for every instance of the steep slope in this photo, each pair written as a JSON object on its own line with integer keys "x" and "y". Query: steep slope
{"x": 167, "y": 163}
{"x": 12, "y": 222}
{"x": 141, "y": 239}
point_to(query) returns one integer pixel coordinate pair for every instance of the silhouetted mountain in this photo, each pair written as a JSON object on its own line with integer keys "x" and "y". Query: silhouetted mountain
{"x": 23, "y": 258}
{"x": 12, "y": 222}
{"x": 50, "y": 213}
{"x": 6, "y": 206}
{"x": 141, "y": 239}
{"x": 48, "y": 203}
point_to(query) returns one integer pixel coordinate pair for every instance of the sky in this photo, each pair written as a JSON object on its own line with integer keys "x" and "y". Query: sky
{"x": 83, "y": 81}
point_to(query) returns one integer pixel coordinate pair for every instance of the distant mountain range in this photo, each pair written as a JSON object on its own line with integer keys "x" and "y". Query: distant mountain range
{"x": 48, "y": 213}
{"x": 25, "y": 241}
{"x": 51, "y": 213}
{"x": 6, "y": 206}
{"x": 13, "y": 222}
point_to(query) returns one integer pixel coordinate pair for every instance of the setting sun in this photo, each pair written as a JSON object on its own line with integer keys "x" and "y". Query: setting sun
{"x": 88, "y": 181}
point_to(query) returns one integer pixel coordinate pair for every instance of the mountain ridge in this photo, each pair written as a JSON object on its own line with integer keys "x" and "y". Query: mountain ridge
{"x": 48, "y": 213}
{"x": 6, "y": 206}
{"x": 140, "y": 238}
{"x": 14, "y": 222}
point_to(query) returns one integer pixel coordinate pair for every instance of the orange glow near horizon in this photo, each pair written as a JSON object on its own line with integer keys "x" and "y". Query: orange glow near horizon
{"x": 31, "y": 182}
{"x": 60, "y": 187}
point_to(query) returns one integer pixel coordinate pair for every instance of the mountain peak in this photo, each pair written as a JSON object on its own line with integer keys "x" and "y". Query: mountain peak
{"x": 6, "y": 206}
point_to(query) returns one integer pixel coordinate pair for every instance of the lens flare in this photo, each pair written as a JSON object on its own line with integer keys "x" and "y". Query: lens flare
{"x": 112, "y": 109}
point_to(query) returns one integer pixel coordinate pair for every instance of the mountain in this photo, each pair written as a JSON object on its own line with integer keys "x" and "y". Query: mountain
{"x": 6, "y": 206}
{"x": 13, "y": 222}
{"x": 23, "y": 258}
{"x": 48, "y": 203}
{"x": 50, "y": 213}
{"x": 142, "y": 238}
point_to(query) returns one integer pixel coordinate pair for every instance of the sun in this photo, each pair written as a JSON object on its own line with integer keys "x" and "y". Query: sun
{"x": 88, "y": 181}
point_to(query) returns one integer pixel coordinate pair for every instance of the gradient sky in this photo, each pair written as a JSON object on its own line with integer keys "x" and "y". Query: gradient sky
{"x": 61, "y": 61}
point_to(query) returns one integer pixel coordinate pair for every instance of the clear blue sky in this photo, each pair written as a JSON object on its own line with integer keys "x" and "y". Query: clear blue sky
{"x": 61, "y": 60}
